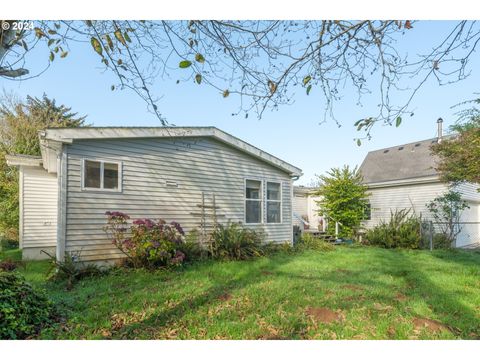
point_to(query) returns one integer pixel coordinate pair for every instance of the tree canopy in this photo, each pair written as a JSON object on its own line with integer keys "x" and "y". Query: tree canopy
{"x": 264, "y": 63}
{"x": 20, "y": 122}
{"x": 459, "y": 155}
{"x": 344, "y": 198}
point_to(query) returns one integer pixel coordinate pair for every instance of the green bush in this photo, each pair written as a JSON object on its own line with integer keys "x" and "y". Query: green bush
{"x": 24, "y": 311}
{"x": 71, "y": 269}
{"x": 235, "y": 242}
{"x": 310, "y": 242}
{"x": 401, "y": 231}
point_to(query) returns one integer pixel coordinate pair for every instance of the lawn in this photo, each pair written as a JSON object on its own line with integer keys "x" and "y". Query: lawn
{"x": 350, "y": 293}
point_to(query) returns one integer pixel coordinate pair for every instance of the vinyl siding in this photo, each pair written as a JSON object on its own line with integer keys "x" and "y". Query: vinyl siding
{"x": 39, "y": 208}
{"x": 384, "y": 200}
{"x": 300, "y": 208}
{"x": 196, "y": 165}
{"x": 415, "y": 197}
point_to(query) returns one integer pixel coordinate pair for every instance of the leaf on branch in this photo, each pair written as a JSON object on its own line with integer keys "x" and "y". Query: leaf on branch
{"x": 109, "y": 41}
{"x": 198, "y": 78}
{"x": 359, "y": 142}
{"x": 184, "y": 64}
{"x": 39, "y": 32}
{"x": 119, "y": 62}
{"x": 398, "y": 121}
{"x": 125, "y": 35}
{"x": 50, "y": 42}
{"x": 309, "y": 88}
{"x": 64, "y": 54}
{"x": 89, "y": 23}
{"x": 57, "y": 26}
{"x": 199, "y": 58}
{"x": 272, "y": 86}
{"x": 24, "y": 44}
{"x": 226, "y": 93}
{"x": 306, "y": 79}
{"x": 112, "y": 87}
{"x": 119, "y": 36}
{"x": 52, "y": 56}
{"x": 97, "y": 46}
{"x": 408, "y": 24}
{"x": 52, "y": 32}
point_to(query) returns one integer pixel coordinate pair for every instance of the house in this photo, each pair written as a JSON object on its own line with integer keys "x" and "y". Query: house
{"x": 404, "y": 177}
{"x": 174, "y": 173}
{"x": 306, "y": 209}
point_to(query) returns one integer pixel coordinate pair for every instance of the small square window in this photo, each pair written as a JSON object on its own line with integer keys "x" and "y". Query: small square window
{"x": 101, "y": 175}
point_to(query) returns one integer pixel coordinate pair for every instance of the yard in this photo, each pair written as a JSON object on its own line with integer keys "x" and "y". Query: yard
{"x": 350, "y": 293}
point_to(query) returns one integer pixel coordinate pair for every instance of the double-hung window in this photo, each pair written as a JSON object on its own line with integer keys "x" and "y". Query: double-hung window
{"x": 253, "y": 201}
{"x": 101, "y": 175}
{"x": 274, "y": 203}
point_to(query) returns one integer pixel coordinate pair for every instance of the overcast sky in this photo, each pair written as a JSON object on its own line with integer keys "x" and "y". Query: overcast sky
{"x": 294, "y": 133}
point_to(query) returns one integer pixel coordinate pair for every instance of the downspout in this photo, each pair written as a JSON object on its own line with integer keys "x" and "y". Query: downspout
{"x": 62, "y": 202}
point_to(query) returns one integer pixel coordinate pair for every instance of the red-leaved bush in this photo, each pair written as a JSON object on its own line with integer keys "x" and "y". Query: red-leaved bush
{"x": 146, "y": 242}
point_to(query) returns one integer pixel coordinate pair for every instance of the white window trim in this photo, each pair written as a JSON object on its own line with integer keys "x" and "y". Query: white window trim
{"x": 278, "y": 201}
{"x": 102, "y": 189}
{"x": 259, "y": 200}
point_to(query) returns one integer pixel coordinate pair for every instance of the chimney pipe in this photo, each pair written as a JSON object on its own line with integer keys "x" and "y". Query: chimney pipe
{"x": 440, "y": 130}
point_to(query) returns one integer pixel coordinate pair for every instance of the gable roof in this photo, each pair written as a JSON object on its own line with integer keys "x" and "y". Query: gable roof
{"x": 402, "y": 162}
{"x": 68, "y": 135}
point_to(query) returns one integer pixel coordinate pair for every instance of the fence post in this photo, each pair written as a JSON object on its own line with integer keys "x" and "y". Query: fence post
{"x": 431, "y": 236}
{"x": 336, "y": 229}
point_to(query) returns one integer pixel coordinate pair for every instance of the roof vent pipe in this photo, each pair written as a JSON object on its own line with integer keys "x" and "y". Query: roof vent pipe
{"x": 440, "y": 130}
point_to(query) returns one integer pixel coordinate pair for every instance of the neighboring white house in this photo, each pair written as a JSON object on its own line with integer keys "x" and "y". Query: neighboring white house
{"x": 404, "y": 177}
{"x": 306, "y": 210}
{"x": 145, "y": 172}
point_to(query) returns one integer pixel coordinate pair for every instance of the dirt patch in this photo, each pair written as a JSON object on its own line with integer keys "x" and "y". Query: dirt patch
{"x": 352, "y": 287}
{"x": 266, "y": 272}
{"x": 323, "y": 315}
{"x": 432, "y": 325}
{"x": 400, "y": 297}
{"x": 224, "y": 297}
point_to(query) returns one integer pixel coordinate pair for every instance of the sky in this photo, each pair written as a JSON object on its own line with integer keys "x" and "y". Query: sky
{"x": 295, "y": 133}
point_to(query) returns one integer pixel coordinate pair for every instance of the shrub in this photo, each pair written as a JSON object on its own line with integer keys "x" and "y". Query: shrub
{"x": 146, "y": 243}
{"x": 71, "y": 269}
{"x": 8, "y": 265}
{"x": 235, "y": 242}
{"x": 401, "y": 231}
{"x": 24, "y": 311}
{"x": 310, "y": 242}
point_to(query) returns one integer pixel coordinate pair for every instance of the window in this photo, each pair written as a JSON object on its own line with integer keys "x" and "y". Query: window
{"x": 367, "y": 212}
{"x": 101, "y": 175}
{"x": 274, "y": 203}
{"x": 253, "y": 201}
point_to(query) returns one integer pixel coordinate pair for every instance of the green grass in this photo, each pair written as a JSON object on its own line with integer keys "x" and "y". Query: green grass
{"x": 376, "y": 293}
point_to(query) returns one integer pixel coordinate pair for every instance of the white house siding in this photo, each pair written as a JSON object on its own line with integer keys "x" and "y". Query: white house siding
{"x": 300, "y": 208}
{"x": 415, "y": 197}
{"x": 196, "y": 164}
{"x": 470, "y": 229}
{"x": 386, "y": 199}
{"x": 38, "y": 218}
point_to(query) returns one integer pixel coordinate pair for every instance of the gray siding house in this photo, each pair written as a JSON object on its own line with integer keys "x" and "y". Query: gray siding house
{"x": 148, "y": 173}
